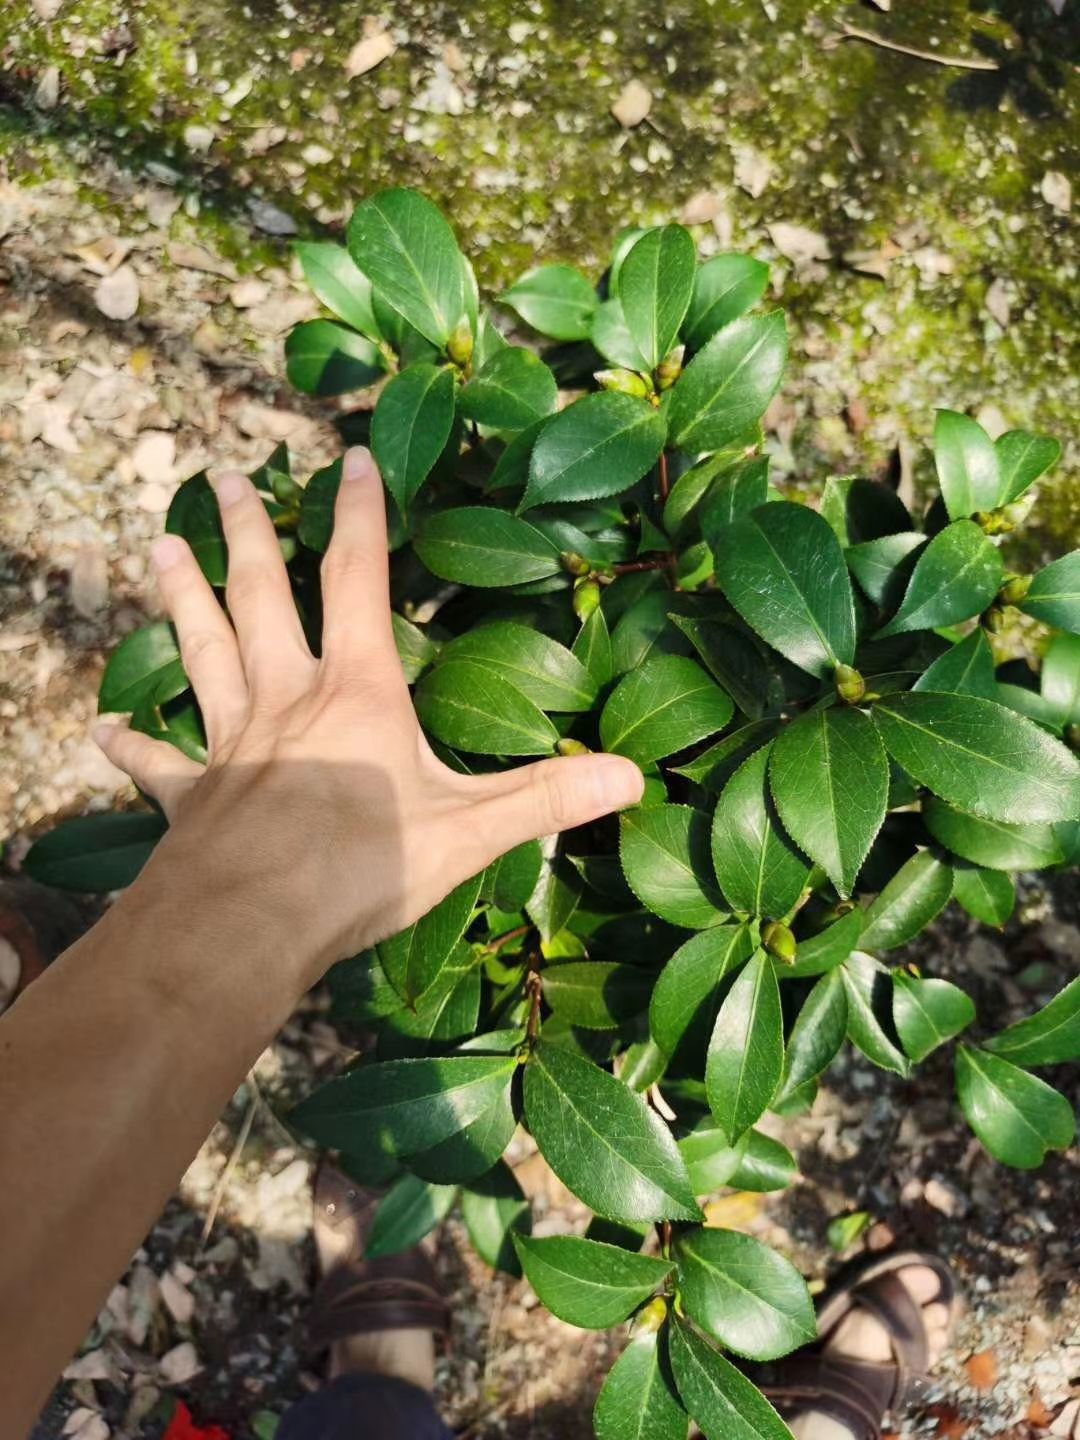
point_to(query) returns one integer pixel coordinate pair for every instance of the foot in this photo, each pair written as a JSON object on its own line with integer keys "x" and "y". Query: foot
{"x": 861, "y": 1336}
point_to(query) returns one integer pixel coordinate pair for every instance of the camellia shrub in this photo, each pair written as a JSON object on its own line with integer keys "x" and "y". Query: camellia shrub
{"x": 833, "y": 750}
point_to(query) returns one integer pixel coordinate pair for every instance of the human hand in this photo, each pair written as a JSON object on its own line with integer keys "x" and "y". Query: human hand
{"x": 322, "y": 803}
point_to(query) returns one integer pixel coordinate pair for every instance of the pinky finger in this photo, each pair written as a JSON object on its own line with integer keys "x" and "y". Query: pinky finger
{"x": 157, "y": 767}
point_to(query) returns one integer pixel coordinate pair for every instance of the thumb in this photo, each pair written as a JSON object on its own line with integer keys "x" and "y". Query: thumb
{"x": 554, "y": 795}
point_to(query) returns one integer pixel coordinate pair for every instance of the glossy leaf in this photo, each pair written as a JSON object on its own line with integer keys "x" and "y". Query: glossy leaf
{"x": 737, "y": 490}
{"x": 475, "y": 708}
{"x": 412, "y": 959}
{"x": 883, "y": 566}
{"x": 820, "y": 953}
{"x": 557, "y": 300}
{"x": 338, "y": 284}
{"x": 928, "y": 1012}
{"x": 592, "y": 647}
{"x": 603, "y": 1141}
{"x": 830, "y": 780}
{"x": 860, "y": 510}
{"x": 511, "y": 391}
{"x": 967, "y": 465}
{"x": 817, "y": 1035}
{"x": 1061, "y": 679}
{"x": 725, "y": 1403}
{"x": 966, "y": 668}
{"x": 691, "y": 977}
{"x": 556, "y": 897}
{"x": 410, "y": 428}
{"x": 317, "y": 507}
{"x": 664, "y": 706}
{"x": 759, "y": 870}
{"x": 979, "y": 756}
{"x": 1016, "y": 1116}
{"x": 992, "y": 843}
{"x": 496, "y": 1212}
{"x": 542, "y": 669}
{"x": 610, "y": 334}
{"x": 656, "y": 282}
{"x": 402, "y": 243}
{"x": 415, "y": 650}
{"x": 1049, "y": 1037}
{"x": 716, "y": 765}
{"x": 764, "y": 1165}
{"x": 596, "y": 994}
{"x": 637, "y": 1399}
{"x": 1054, "y": 596}
{"x": 95, "y": 853}
{"x": 987, "y": 895}
{"x": 918, "y": 891}
{"x": 955, "y": 578}
{"x": 409, "y": 1210}
{"x": 711, "y": 1157}
{"x": 144, "y": 668}
{"x": 446, "y": 1011}
{"x": 744, "y": 1294}
{"x": 664, "y": 851}
{"x": 599, "y": 446}
{"x": 512, "y": 879}
{"x": 473, "y": 1149}
{"x": 729, "y": 383}
{"x": 587, "y": 1283}
{"x": 746, "y": 1051}
{"x": 195, "y": 517}
{"x": 1023, "y": 458}
{"x": 869, "y": 992}
{"x": 481, "y": 546}
{"x": 783, "y": 570}
{"x": 322, "y": 358}
{"x": 725, "y": 287}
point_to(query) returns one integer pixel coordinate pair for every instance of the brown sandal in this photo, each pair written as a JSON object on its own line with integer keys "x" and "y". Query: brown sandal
{"x": 359, "y": 1296}
{"x": 859, "y": 1393}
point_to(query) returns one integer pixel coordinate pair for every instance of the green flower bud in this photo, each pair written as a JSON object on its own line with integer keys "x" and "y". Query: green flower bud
{"x": 572, "y": 747}
{"x": 994, "y": 619}
{"x": 586, "y": 598}
{"x": 649, "y": 1319}
{"x": 460, "y": 345}
{"x": 1017, "y": 511}
{"x": 850, "y": 685}
{"x": 779, "y": 942}
{"x": 575, "y": 563}
{"x": 627, "y": 382}
{"x": 670, "y": 368}
{"x": 1014, "y": 589}
{"x": 287, "y": 544}
{"x": 285, "y": 490}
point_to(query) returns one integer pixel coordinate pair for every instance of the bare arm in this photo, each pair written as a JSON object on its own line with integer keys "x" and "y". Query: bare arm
{"x": 322, "y": 823}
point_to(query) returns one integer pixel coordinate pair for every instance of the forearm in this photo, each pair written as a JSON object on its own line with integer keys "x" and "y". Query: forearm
{"x": 113, "y": 1068}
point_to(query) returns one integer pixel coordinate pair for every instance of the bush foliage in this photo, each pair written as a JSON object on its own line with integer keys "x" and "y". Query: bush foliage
{"x": 832, "y": 750}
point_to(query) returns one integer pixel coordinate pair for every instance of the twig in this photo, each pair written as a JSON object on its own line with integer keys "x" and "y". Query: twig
{"x": 633, "y": 566}
{"x": 230, "y": 1164}
{"x": 664, "y": 485}
{"x": 852, "y": 32}
{"x": 494, "y": 946}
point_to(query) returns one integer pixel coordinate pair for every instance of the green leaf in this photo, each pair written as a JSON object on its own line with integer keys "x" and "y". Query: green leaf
{"x": 664, "y": 706}
{"x": 656, "y": 281}
{"x": 816, "y": 1036}
{"x": 783, "y": 570}
{"x": 956, "y": 577}
{"x": 665, "y": 857}
{"x": 966, "y": 668}
{"x": 736, "y": 659}
{"x": 645, "y": 631}
{"x": 473, "y": 1150}
{"x": 844, "y": 1230}
{"x": 410, "y": 428}
{"x": 729, "y": 383}
{"x": 928, "y": 1012}
{"x": 759, "y": 870}
{"x": 512, "y": 879}
{"x": 410, "y": 1104}
{"x": 637, "y": 1400}
{"x": 558, "y": 891}
{"x": 1049, "y": 1037}
{"x": 338, "y": 284}
{"x": 95, "y": 853}
{"x": 512, "y": 391}
{"x": 744, "y": 1294}
{"x": 1054, "y": 597}
{"x": 317, "y": 507}
{"x": 596, "y": 994}
{"x": 725, "y": 287}
{"x": 869, "y": 992}
{"x": 722, "y": 1400}
{"x": 1016, "y": 1116}
{"x": 603, "y": 1141}
{"x": 980, "y": 756}
{"x": 178, "y": 723}
{"x": 412, "y": 959}
{"x": 1022, "y": 459}
{"x": 322, "y": 358}
{"x": 542, "y": 669}
{"x": 610, "y": 334}
{"x": 882, "y": 566}
{"x": 820, "y": 953}
{"x": 589, "y": 1284}
{"x": 967, "y": 465}
{"x": 409, "y": 1210}
{"x": 918, "y": 891}
{"x": 194, "y": 515}
{"x": 405, "y": 247}
{"x": 691, "y": 977}
{"x": 447, "y": 1010}
{"x": 601, "y": 445}
{"x": 557, "y": 300}
{"x": 476, "y": 545}
{"x": 496, "y": 1212}
{"x": 474, "y": 708}
{"x": 746, "y": 1052}
{"x": 830, "y": 780}
{"x": 738, "y": 490}
{"x": 144, "y": 667}
{"x": 415, "y": 650}
{"x": 992, "y": 843}
{"x": 1061, "y": 679}
{"x": 715, "y": 766}
{"x": 592, "y": 647}
{"x": 862, "y": 510}
{"x": 987, "y": 895}
{"x": 764, "y": 1165}
{"x": 711, "y": 1158}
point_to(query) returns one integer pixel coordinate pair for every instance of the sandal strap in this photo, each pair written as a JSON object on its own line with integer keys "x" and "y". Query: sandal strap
{"x": 889, "y": 1300}
{"x": 393, "y": 1292}
{"x": 816, "y": 1384}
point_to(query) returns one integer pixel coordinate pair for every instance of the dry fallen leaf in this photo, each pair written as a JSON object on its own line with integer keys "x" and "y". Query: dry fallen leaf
{"x": 734, "y": 1212}
{"x": 1056, "y": 190}
{"x": 752, "y": 170}
{"x": 179, "y": 1301}
{"x": 633, "y": 104}
{"x": 117, "y": 295}
{"x": 982, "y": 1370}
{"x": 369, "y": 52}
{"x": 179, "y": 1364}
{"x": 105, "y": 255}
{"x": 94, "y": 1365}
{"x": 197, "y": 257}
{"x": 797, "y": 243}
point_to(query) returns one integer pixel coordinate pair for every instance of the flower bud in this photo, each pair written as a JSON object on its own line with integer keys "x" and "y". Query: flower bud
{"x": 994, "y": 619}
{"x": 586, "y": 598}
{"x": 850, "y": 685}
{"x": 285, "y": 490}
{"x": 567, "y": 746}
{"x": 670, "y": 368}
{"x": 1017, "y": 511}
{"x": 1014, "y": 589}
{"x": 627, "y": 382}
{"x": 460, "y": 345}
{"x": 287, "y": 545}
{"x": 575, "y": 563}
{"x": 649, "y": 1319}
{"x": 779, "y": 942}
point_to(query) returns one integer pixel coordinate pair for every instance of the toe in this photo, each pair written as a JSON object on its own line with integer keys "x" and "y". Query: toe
{"x": 921, "y": 1283}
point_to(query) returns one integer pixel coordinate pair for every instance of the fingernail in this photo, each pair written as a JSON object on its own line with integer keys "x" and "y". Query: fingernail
{"x": 101, "y": 733}
{"x": 357, "y": 464}
{"x": 166, "y": 551}
{"x": 230, "y": 487}
{"x": 618, "y": 782}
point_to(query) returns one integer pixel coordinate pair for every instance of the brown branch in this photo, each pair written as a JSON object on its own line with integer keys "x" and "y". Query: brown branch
{"x": 959, "y": 62}
{"x": 633, "y": 566}
{"x": 665, "y": 486}
{"x": 494, "y": 946}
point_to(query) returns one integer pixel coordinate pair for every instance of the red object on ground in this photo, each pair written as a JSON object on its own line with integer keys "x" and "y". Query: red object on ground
{"x": 183, "y": 1427}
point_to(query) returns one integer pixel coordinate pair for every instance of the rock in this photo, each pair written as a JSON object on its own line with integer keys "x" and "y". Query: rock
{"x": 47, "y": 9}
{"x": 154, "y": 457}
{"x": 196, "y": 257}
{"x": 117, "y": 295}
{"x": 47, "y": 90}
{"x": 702, "y": 207}
{"x": 369, "y": 52}
{"x": 94, "y": 1365}
{"x": 161, "y": 206}
{"x": 179, "y": 1364}
{"x": 798, "y": 243}
{"x": 944, "y": 1197}
{"x": 178, "y": 1300}
{"x": 88, "y": 580}
{"x": 277, "y": 1265}
{"x": 199, "y": 138}
{"x": 246, "y": 293}
{"x": 1056, "y": 190}
{"x": 90, "y": 1425}
{"x": 316, "y": 155}
{"x": 154, "y": 499}
{"x": 270, "y": 218}
{"x": 633, "y": 104}
{"x": 996, "y": 301}
{"x": 103, "y": 256}
{"x": 753, "y": 170}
